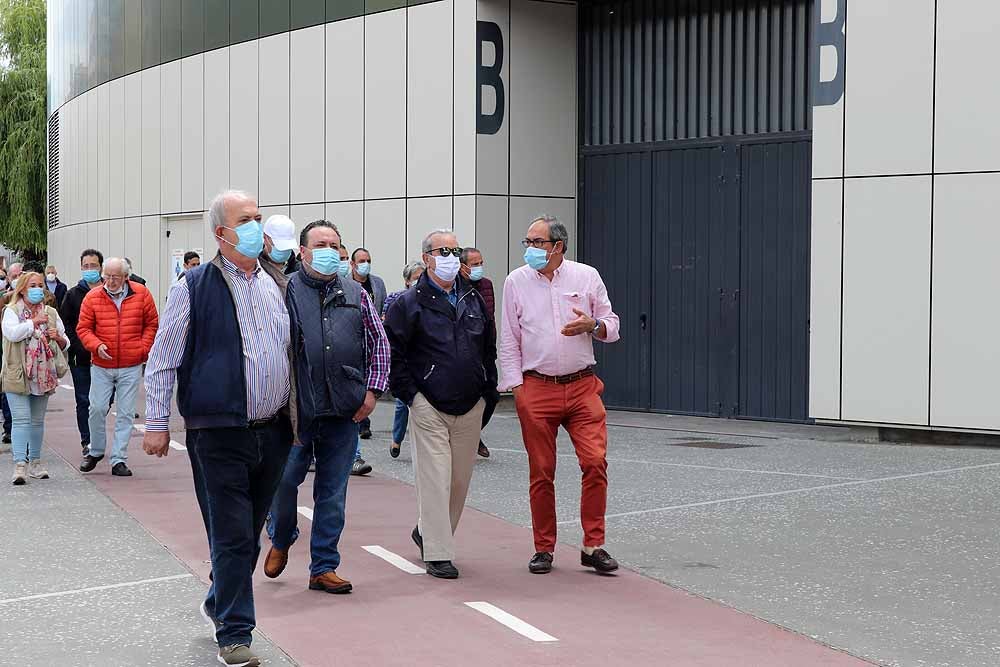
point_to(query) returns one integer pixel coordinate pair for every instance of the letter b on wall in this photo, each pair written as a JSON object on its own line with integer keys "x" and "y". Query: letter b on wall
{"x": 489, "y": 76}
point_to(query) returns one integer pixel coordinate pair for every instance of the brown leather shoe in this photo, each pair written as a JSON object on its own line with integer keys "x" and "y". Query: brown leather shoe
{"x": 330, "y": 582}
{"x": 275, "y": 562}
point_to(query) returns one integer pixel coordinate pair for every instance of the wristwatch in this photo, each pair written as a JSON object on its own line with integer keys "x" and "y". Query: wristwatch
{"x": 597, "y": 326}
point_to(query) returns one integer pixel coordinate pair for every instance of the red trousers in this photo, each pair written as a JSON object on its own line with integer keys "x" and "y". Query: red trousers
{"x": 542, "y": 408}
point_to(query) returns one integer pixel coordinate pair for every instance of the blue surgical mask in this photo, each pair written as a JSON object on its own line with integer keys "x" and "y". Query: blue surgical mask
{"x": 476, "y": 273}
{"x": 279, "y": 256}
{"x": 250, "y": 239}
{"x": 345, "y": 268}
{"x": 36, "y": 294}
{"x": 91, "y": 276}
{"x": 364, "y": 268}
{"x": 536, "y": 258}
{"x": 325, "y": 261}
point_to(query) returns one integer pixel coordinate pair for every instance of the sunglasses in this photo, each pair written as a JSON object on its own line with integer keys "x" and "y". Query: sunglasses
{"x": 446, "y": 251}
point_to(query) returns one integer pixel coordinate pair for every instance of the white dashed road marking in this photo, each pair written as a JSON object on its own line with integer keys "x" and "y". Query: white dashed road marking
{"x": 513, "y": 622}
{"x": 394, "y": 559}
{"x": 95, "y": 588}
{"x": 306, "y": 512}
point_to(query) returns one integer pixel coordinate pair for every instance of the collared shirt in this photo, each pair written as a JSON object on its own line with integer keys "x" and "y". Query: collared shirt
{"x": 536, "y": 309}
{"x": 451, "y": 294}
{"x": 266, "y": 333}
{"x": 376, "y": 342}
{"x": 119, "y": 298}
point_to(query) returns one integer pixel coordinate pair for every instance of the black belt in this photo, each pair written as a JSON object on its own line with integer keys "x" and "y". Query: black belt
{"x": 561, "y": 379}
{"x": 263, "y": 423}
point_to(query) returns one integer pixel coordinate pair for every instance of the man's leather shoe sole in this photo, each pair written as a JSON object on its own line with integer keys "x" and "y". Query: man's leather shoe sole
{"x": 345, "y": 587}
{"x": 90, "y": 462}
{"x": 275, "y": 562}
{"x": 442, "y": 569}
{"x": 599, "y": 564}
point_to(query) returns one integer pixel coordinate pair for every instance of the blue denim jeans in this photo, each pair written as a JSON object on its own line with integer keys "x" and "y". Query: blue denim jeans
{"x": 28, "y": 430}
{"x": 124, "y": 383}
{"x": 81, "y": 387}
{"x": 236, "y": 471}
{"x": 400, "y": 420}
{"x": 331, "y": 445}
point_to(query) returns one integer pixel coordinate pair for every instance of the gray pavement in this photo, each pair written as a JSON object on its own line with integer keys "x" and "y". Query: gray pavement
{"x": 62, "y": 539}
{"x": 886, "y": 551}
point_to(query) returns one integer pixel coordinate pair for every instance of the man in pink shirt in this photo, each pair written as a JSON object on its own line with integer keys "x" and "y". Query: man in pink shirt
{"x": 553, "y": 308}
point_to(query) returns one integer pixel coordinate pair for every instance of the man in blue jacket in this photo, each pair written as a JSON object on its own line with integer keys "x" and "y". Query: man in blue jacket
{"x": 443, "y": 365}
{"x": 341, "y": 361}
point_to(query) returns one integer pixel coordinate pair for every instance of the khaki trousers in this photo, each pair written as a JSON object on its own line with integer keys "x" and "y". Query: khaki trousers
{"x": 444, "y": 452}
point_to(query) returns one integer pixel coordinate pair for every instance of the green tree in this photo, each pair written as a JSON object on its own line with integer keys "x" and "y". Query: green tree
{"x": 22, "y": 126}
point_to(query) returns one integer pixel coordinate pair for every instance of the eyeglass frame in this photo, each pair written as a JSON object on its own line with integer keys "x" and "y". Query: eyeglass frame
{"x": 445, "y": 251}
{"x": 537, "y": 243}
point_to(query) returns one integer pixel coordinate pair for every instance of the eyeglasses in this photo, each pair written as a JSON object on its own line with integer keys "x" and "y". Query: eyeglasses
{"x": 446, "y": 251}
{"x": 535, "y": 243}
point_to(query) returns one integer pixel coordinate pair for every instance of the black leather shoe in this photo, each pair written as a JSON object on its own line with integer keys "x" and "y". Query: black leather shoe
{"x": 483, "y": 450}
{"x": 85, "y": 445}
{"x": 600, "y": 560}
{"x": 366, "y": 434}
{"x": 418, "y": 540}
{"x": 541, "y": 563}
{"x": 121, "y": 470}
{"x": 442, "y": 569}
{"x": 89, "y": 462}
{"x": 394, "y": 449}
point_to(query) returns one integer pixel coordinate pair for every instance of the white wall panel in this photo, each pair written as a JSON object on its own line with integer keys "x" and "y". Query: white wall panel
{"x": 133, "y": 144}
{"x": 307, "y": 97}
{"x": 345, "y": 110}
{"x": 116, "y": 148}
{"x": 303, "y": 214}
{"x": 965, "y": 359}
{"x": 824, "y": 307}
{"x": 170, "y": 137}
{"x": 81, "y": 159}
{"x": 429, "y": 104}
{"x": 464, "y": 219}
{"x": 542, "y": 100}
{"x": 889, "y": 87}
{"x": 267, "y": 211}
{"x": 886, "y": 299}
{"x": 492, "y": 150}
{"x": 217, "y": 126}
{"x": 385, "y": 104}
{"x": 116, "y": 241}
{"x": 491, "y": 234}
{"x": 244, "y": 102}
{"x": 103, "y": 229}
{"x": 150, "y": 80}
{"x": 350, "y": 220}
{"x": 103, "y": 152}
{"x": 273, "y": 163}
{"x": 64, "y": 169}
{"x": 149, "y": 265}
{"x": 464, "y": 128}
{"x": 193, "y": 133}
{"x": 968, "y": 138}
{"x": 828, "y": 121}
{"x": 383, "y": 223}
{"x": 132, "y": 233}
{"x": 93, "y": 156}
{"x": 423, "y": 216}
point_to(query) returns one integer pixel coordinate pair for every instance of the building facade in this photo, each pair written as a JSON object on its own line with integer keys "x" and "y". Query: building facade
{"x": 792, "y": 212}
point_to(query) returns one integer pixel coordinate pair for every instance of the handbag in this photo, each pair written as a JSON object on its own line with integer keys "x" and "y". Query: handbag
{"x": 58, "y": 356}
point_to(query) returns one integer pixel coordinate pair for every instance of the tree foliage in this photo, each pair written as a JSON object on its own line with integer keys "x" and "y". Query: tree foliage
{"x": 22, "y": 125}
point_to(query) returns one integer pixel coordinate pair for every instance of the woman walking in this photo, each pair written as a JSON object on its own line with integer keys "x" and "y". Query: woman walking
{"x": 30, "y": 372}
{"x": 401, "y": 419}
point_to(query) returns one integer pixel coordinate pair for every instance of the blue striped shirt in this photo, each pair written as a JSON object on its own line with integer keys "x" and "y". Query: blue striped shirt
{"x": 264, "y": 327}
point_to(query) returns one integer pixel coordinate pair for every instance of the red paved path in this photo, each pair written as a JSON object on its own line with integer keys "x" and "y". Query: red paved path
{"x": 395, "y": 618}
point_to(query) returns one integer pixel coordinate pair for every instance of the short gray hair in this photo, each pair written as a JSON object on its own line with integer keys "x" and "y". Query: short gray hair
{"x": 125, "y": 268}
{"x": 467, "y": 251}
{"x": 427, "y": 246}
{"x": 412, "y": 268}
{"x": 215, "y": 216}
{"x": 557, "y": 230}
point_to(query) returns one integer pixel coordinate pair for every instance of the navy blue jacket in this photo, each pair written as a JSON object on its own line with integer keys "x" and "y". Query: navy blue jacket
{"x": 448, "y": 354}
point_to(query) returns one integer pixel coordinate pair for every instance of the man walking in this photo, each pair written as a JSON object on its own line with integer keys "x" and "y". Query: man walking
{"x": 54, "y": 285}
{"x": 91, "y": 263}
{"x": 341, "y": 359}
{"x": 117, "y": 326}
{"x": 443, "y": 365}
{"x": 227, "y": 320}
{"x": 361, "y": 266}
{"x": 553, "y": 309}
{"x": 279, "y": 241}
{"x": 474, "y": 272}
{"x": 191, "y": 260}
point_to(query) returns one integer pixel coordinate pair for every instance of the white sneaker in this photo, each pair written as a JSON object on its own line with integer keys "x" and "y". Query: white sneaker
{"x": 36, "y": 470}
{"x": 20, "y": 474}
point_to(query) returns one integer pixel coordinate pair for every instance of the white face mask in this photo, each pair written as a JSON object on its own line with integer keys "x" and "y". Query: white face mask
{"x": 446, "y": 268}
{"x": 51, "y": 277}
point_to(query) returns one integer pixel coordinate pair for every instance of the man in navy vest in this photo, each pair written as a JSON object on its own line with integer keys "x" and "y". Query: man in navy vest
{"x": 341, "y": 358}
{"x": 224, "y": 340}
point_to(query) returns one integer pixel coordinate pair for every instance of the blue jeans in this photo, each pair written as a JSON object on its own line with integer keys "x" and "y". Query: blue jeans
{"x": 357, "y": 447}
{"x": 28, "y": 418}
{"x": 124, "y": 383}
{"x": 331, "y": 445}
{"x": 400, "y": 421}
{"x": 81, "y": 387}
{"x": 236, "y": 471}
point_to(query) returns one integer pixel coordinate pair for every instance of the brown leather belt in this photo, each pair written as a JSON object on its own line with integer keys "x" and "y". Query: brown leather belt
{"x": 561, "y": 379}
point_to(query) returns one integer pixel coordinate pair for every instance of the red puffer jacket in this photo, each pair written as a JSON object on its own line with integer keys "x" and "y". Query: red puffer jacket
{"x": 129, "y": 334}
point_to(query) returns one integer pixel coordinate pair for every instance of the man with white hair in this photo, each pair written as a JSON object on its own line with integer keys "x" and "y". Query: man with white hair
{"x": 443, "y": 364}
{"x": 13, "y": 273}
{"x": 225, "y": 343}
{"x": 117, "y": 325}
